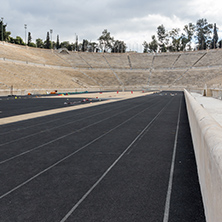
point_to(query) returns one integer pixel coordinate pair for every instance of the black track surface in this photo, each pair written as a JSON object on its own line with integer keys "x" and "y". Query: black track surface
{"x": 16, "y": 105}
{"x": 105, "y": 163}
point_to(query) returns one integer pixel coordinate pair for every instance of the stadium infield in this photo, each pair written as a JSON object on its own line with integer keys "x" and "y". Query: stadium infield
{"x": 129, "y": 160}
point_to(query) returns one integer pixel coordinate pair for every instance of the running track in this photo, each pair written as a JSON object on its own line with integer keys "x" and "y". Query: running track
{"x": 130, "y": 160}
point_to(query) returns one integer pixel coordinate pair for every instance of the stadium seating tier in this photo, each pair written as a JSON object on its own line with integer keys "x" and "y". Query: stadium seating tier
{"x": 32, "y": 68}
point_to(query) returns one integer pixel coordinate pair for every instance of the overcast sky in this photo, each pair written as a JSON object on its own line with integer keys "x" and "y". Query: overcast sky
{"x": 128, "y": 20}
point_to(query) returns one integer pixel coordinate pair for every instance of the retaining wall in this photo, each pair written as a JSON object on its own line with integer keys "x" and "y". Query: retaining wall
{"x": 207, "y": 141}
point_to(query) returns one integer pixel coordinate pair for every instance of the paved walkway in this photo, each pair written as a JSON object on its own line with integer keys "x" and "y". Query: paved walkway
{"x": 211, "y": 105}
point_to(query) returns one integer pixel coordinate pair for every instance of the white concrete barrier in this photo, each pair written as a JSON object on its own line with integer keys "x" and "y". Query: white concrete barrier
{"x": 207, "y": 141}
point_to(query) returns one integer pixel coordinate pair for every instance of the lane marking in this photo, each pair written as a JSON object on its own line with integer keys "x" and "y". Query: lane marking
{"x": 169, "y": 190}
{"x": 43, "y": 123}
{"x": 61, "y": 137}
{"x": 148, "y": 128}
{"x": 54, "y": 120}
{"x": 55, "y": 127}
{"x": 28, "y": 116}
{"x": 73, "y": 153}
{"x": 33, "y": 115}
{"x": 25, "y": 137}
{"x": 110, "y": 168}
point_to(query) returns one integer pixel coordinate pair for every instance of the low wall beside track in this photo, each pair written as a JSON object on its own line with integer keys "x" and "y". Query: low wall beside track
{"x": 207, "y": 141}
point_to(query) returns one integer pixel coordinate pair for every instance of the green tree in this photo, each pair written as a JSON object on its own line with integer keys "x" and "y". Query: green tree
{"x": 162, "y": 36}
{"x": 203, "y": 34}
{"x": 57, "y": 42}
{"x": 7, "y": 36}
{"x": 4, "y": 35}
{"x": 79, "y": 47}
{"x": 176, "y": 44}
{"x": 76, "y": 44}
{"x": 145, "y": 47}
{"x": 92, "y": 47}
{"x": 47, "y": 43}
{"x": 18, "y": 40}
{"x": 54, "y": 45}
{"x": 220, "y": 44}
{"x": 119, "y": 47}
{"x": 67, "y": 45}
{"x": 84, "y": 45}
{"x": 11, "y": 40}
{"x": 2, "y": 30}
{"x": 186, "y": 38}
{"x": 106, "y": 41}
{"x": 71, "y": 47}
{"x": 215, "y": 38}
{"x": 39, "y": 43}
{"x": 152, "y": 46}
{"x": 29, "y": 38}
{"x": 32, "y": 44}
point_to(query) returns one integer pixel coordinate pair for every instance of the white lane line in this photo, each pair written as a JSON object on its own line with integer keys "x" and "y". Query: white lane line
{"x": 53, "y": 128}
{"x": 54, "y": 120}
{"x": 28, "y": 116}
{"x": 149, "y": 125}
{"x": 113, "y": 164}
{"x": 61, "y": 137}
{"x": 30, "y": 135}
{"x": 43, "y": 123}
{"x": 83, "y": 147}
{"x": 169, "y": 190}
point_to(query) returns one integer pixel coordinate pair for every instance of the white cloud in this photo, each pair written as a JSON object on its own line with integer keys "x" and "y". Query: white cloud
{"x": 138, "y": 30}
{"x": 205, "y": 8}
{"x": 128, "y": 20}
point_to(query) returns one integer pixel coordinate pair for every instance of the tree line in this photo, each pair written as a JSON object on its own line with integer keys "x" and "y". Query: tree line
{"x": 106, "y": 43}
{"x": 199, "y": 36}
